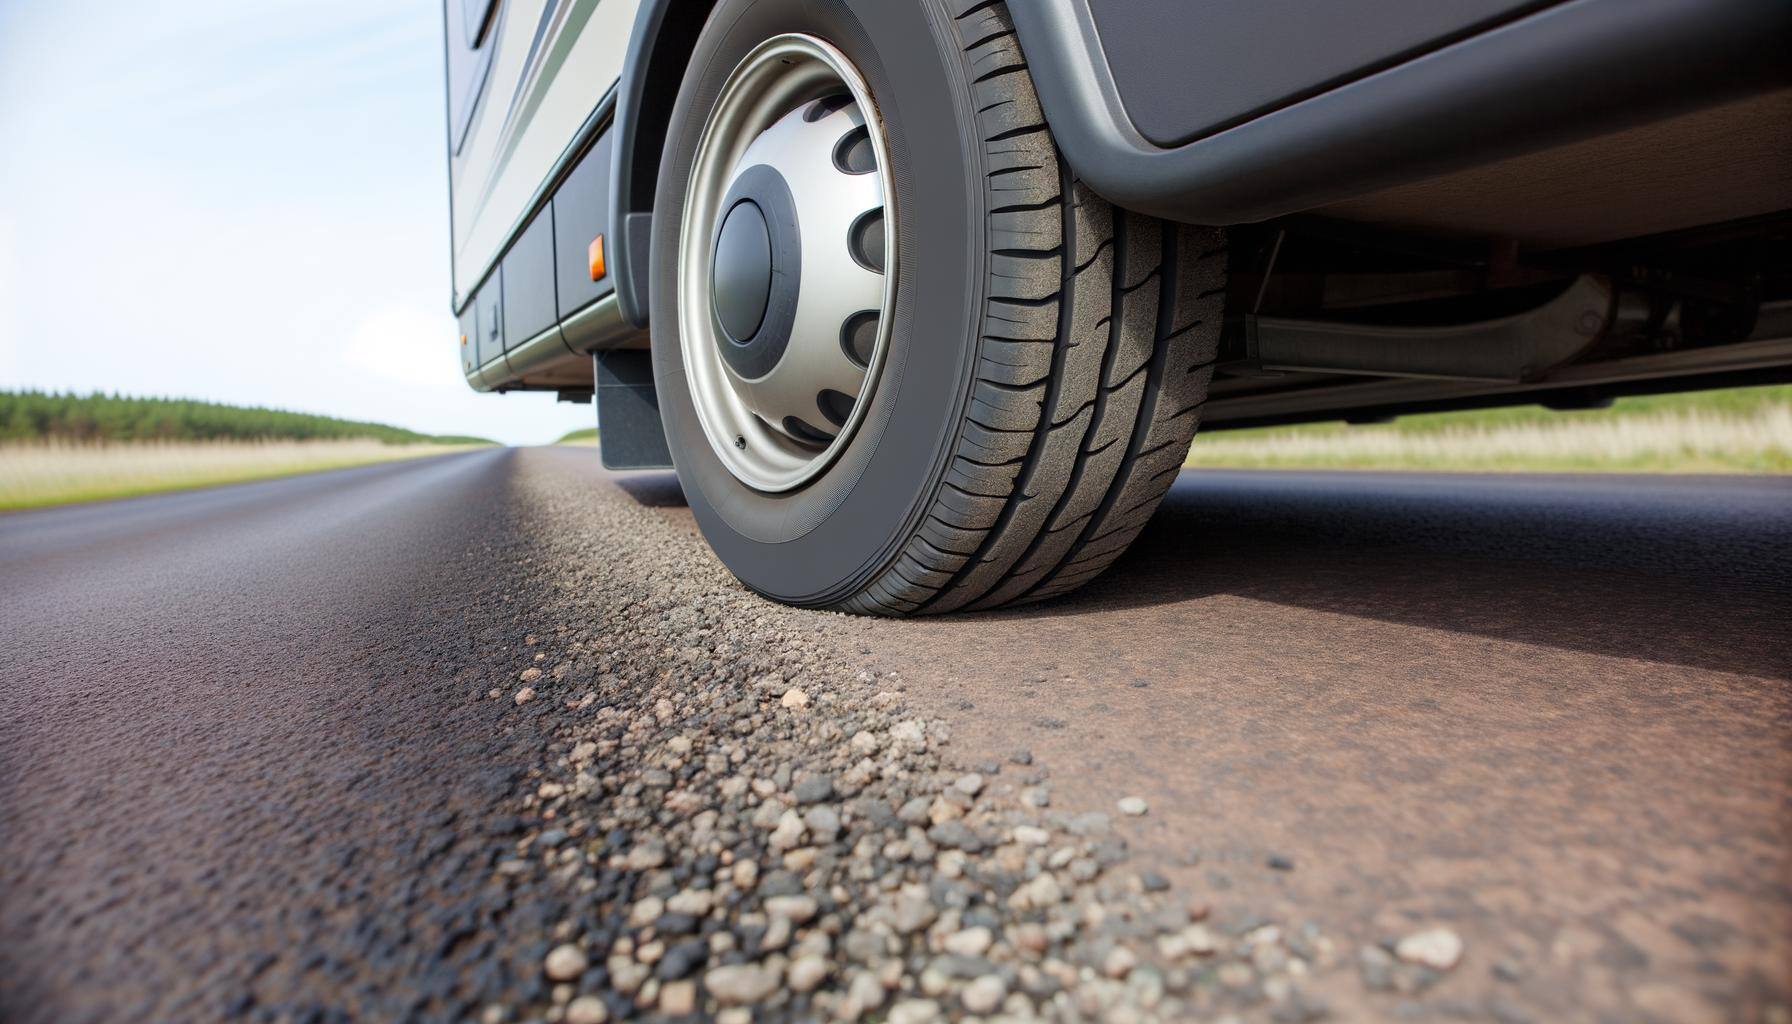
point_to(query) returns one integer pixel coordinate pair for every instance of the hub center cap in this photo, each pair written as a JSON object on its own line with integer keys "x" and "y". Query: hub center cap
{"x": 743, "y": 272}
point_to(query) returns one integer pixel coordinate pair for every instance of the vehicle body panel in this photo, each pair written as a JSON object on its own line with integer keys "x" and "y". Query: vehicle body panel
{"x": 553, "y": 63}
{"x": 1184, "y": 70}
{"x": 529, "y": 305}
{"x": 1565, "y": 72}
{"x": 582, "y": 213}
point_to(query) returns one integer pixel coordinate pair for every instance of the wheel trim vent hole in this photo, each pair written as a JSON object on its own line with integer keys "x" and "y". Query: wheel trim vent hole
{"x": 858, "y": 337}
{"x": 865, "y": 239}
{"x": 853, "y": 153}
{"x": 803, "y": 431}
{"x": 835, "y": 407}
{"x": 825, "y": 106}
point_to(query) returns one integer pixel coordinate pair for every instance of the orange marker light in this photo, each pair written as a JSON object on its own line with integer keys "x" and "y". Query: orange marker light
{"x": 596, "y": 253}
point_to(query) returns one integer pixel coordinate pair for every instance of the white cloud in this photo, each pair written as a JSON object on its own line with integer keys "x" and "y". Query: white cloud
{"x": 396, "y": 343}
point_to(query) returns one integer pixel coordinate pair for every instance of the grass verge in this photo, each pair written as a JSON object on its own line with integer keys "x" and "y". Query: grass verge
{"x": 58, "y": 472}
{"x": 1739, "y": 430}
{"x": 587, "y": 436}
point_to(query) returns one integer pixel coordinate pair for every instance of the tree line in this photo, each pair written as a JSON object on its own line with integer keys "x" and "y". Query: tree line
{"x": 32, "y": 415}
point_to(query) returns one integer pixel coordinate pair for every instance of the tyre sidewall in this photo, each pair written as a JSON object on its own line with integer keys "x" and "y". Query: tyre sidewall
{"x": 820, "y": 544}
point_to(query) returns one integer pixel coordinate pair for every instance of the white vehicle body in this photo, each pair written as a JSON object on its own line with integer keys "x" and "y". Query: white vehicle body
{"x": 551, "y": 66}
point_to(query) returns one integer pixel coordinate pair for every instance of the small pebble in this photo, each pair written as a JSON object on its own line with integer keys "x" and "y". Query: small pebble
{"x": 1437, "y": 948}
{"x": 587, "y": 1010}
{"x": 740, "y": 984}
{"x": 914, "y": 1011}
{"x": 984, "y": 995}
{"x": 565, "y": 963}
{"x": 807, "y": 972}
{"x": 678, "y": 998}
{"x": 969, "y": 942}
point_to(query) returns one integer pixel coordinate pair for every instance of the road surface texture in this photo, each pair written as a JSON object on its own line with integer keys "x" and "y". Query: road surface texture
{"x": 492, "y": 736}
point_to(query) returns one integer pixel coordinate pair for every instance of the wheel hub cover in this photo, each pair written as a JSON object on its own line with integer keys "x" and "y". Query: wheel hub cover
{"x": 787, "y": 263}
{"x": 794, "y": 297}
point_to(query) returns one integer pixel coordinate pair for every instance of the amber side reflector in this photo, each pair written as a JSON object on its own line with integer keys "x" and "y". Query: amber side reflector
{"x": 596, "y": 253}
{"x": 463, "y": 341}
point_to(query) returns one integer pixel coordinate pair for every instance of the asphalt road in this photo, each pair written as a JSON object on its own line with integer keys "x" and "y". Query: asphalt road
{"x": 1554, "y": 712}
{"x": 235, "y": 741}
{"x": 244, "y": 755}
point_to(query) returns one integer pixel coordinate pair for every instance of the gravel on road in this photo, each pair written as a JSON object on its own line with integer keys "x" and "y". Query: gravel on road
{"x": 747, "y": 823}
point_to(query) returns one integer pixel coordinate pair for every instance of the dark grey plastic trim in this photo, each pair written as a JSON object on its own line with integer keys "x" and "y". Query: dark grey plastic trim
{"x": 581, "y": 213}
{"x": 665, "y": 32}
{"x": 1317, "y": 46}
{"x": 1577, "y": 69}
{"x": 469, "y": 346}
{"x": 489, "y": 310}
{"x": 530, "y": 307}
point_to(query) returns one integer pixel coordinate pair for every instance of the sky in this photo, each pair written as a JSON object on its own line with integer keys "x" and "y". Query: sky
{"x": 237, "y": 201}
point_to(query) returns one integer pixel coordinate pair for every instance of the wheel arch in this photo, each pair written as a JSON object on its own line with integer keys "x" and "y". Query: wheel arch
{"x": 659, "y": 49}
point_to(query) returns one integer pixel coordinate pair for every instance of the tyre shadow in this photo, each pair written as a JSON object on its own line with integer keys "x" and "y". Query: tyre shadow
{"x": 652, "y": 488}
{"x": 1682, "y": 570}
{"x": 1687, "y": 571}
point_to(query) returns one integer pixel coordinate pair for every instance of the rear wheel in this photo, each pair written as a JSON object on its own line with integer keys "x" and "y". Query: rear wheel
{"x": 917, "y": 366}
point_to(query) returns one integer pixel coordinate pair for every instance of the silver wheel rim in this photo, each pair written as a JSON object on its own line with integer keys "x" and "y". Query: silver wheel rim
{"x": 791, "y": 105}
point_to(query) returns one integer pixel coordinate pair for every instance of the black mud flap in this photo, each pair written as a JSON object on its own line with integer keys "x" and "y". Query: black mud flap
{"x": 630, "y": 435}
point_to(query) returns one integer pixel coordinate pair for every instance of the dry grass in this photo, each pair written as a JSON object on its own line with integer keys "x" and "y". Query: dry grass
{"x": 1683, "y": 440}
{"x": 37, "y": 473}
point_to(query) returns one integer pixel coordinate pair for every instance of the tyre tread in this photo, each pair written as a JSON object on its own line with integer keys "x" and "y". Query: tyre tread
{"x": 1100, "y": 330}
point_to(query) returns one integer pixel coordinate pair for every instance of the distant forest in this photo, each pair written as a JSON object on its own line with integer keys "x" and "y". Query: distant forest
{"x": 40, "y": 415}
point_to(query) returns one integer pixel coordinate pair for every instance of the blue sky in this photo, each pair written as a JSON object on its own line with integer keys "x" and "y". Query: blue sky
{"x": 237, "y": 201}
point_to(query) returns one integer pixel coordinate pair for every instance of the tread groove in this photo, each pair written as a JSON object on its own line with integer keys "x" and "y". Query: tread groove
{"x": 1036, "y": 448}
{"x": 1002, "y": 34}
{"x": 1147, "y": 404}
{"x": 1015, "y": 133}
{"x": 978, "y": 8}
{"x": 1063, "y": 442}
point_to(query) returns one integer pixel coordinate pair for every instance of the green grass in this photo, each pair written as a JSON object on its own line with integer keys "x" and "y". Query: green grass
{"x": 1738, "y": 430}
{"x": 96, "y": 417}
{"x": 1739, "y": 402}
